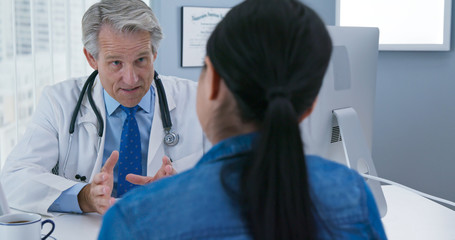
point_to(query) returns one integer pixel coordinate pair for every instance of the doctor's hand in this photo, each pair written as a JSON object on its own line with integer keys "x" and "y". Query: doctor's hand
{"x": 165, "y": 171}
{"x": 96, "y": 196}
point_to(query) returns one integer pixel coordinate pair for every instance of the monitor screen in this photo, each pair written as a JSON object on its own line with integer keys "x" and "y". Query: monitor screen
{"x": 349, "y": 84}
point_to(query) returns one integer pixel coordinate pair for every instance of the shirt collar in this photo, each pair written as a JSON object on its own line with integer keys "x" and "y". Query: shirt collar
{"x": 230, "y": 147}
{"x": 145, "y": 103}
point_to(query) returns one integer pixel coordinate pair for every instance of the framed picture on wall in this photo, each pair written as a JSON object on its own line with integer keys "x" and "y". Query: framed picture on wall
{"x": 197, "y": 25}
{"x": 404, "y": 25}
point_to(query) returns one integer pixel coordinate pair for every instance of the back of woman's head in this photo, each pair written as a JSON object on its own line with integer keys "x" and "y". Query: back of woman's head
{"x": 272, "y": 55}
{"x": 270, "y": 45}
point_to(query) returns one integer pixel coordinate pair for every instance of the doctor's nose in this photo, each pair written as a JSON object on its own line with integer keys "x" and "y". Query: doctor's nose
{"x": 130, "y": 76}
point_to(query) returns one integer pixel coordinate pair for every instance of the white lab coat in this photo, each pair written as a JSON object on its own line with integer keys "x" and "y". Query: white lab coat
{"x": 27, "y": 175}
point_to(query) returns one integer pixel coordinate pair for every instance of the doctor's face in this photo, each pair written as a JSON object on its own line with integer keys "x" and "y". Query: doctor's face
{"x": 125, "y": 64}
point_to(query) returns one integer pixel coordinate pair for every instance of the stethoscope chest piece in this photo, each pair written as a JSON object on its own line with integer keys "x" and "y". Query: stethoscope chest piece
{"x": 171, "y": 138}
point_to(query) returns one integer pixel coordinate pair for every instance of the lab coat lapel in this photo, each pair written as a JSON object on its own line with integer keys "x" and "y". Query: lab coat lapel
{"x": 157, "y": 131}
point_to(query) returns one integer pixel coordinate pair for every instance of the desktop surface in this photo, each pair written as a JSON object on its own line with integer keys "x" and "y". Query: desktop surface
{"x": 411, "y": 216}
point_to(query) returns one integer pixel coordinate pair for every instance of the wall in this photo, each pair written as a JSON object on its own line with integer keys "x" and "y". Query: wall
{"x": 168, "y": 12}
{"x": 413, "y": 141}
{"x": 415, "y": 119}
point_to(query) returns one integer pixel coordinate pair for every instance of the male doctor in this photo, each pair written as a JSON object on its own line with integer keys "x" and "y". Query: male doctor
{"x": 49, "y": 170}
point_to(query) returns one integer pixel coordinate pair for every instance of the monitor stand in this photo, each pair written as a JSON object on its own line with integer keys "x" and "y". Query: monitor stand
{"x": 357, "y": 153}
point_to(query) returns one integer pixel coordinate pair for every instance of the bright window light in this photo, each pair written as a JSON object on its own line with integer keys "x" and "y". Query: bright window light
{"x": 403, "y": 24}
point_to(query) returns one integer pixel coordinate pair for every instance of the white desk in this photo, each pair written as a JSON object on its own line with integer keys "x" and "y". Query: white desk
{"x": 75, "y": 226}
{"x": 409, "y": 216}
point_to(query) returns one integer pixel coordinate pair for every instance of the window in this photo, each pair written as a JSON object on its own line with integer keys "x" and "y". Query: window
{"x": 40, "y": 44}
{"x": 421, "y": 25}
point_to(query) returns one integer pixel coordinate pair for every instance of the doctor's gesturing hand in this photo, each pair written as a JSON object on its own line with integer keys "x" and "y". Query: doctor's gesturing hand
{"x": 96, "y": 196}
{"x": 165, "y": 170}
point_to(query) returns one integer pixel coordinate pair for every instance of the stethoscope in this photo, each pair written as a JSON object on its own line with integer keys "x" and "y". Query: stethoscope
{"x": 170, "y": 138}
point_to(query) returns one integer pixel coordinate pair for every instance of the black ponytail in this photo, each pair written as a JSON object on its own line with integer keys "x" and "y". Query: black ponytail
{"x": 272, "y": 55}
{"x": 275, "y": 183}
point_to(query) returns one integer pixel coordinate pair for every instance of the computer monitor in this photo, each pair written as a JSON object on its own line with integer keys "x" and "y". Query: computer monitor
{"x": 341, "y": 125}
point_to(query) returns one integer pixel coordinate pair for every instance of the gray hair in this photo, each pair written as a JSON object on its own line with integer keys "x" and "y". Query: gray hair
{"x": 122, "y": 15}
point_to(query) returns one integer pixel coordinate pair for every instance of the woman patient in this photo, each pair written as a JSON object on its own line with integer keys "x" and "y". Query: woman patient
{"x": 264, "y": 67}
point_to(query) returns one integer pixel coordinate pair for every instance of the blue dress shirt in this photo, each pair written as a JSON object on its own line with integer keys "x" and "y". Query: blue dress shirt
{"x": 67, "y": 201}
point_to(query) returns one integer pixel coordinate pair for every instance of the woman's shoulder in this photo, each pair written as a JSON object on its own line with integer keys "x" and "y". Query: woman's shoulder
{"x": 175, "y": 201}
{"x": 323, "y": 170}
{"x": 336, "y": 190}
{"x": 160, "y": 193}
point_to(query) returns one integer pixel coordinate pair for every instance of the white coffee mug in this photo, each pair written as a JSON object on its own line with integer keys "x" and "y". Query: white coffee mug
{"x": 23, "y": 226}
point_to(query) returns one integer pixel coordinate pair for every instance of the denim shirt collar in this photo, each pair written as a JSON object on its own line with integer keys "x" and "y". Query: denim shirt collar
{"x": 229, "y": 147}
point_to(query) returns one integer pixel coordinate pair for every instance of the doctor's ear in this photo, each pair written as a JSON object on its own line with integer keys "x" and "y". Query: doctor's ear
{"x": 91, "y": 60}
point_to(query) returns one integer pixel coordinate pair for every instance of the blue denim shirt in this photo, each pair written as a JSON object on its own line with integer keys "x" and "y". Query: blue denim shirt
{"x": 194, "y": 204}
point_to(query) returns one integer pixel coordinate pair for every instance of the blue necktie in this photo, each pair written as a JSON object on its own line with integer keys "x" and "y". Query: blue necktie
{"x": 130, "y": 151}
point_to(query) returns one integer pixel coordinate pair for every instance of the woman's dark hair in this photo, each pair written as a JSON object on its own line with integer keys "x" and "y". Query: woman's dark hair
{"x": 272, "y": 55}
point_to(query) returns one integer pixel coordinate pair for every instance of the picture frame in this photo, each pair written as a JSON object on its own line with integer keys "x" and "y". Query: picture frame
{"x": 197, "y": 25}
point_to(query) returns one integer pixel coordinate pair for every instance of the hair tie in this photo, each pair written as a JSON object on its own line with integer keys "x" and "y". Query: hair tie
{"x": 277, "y": 93}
